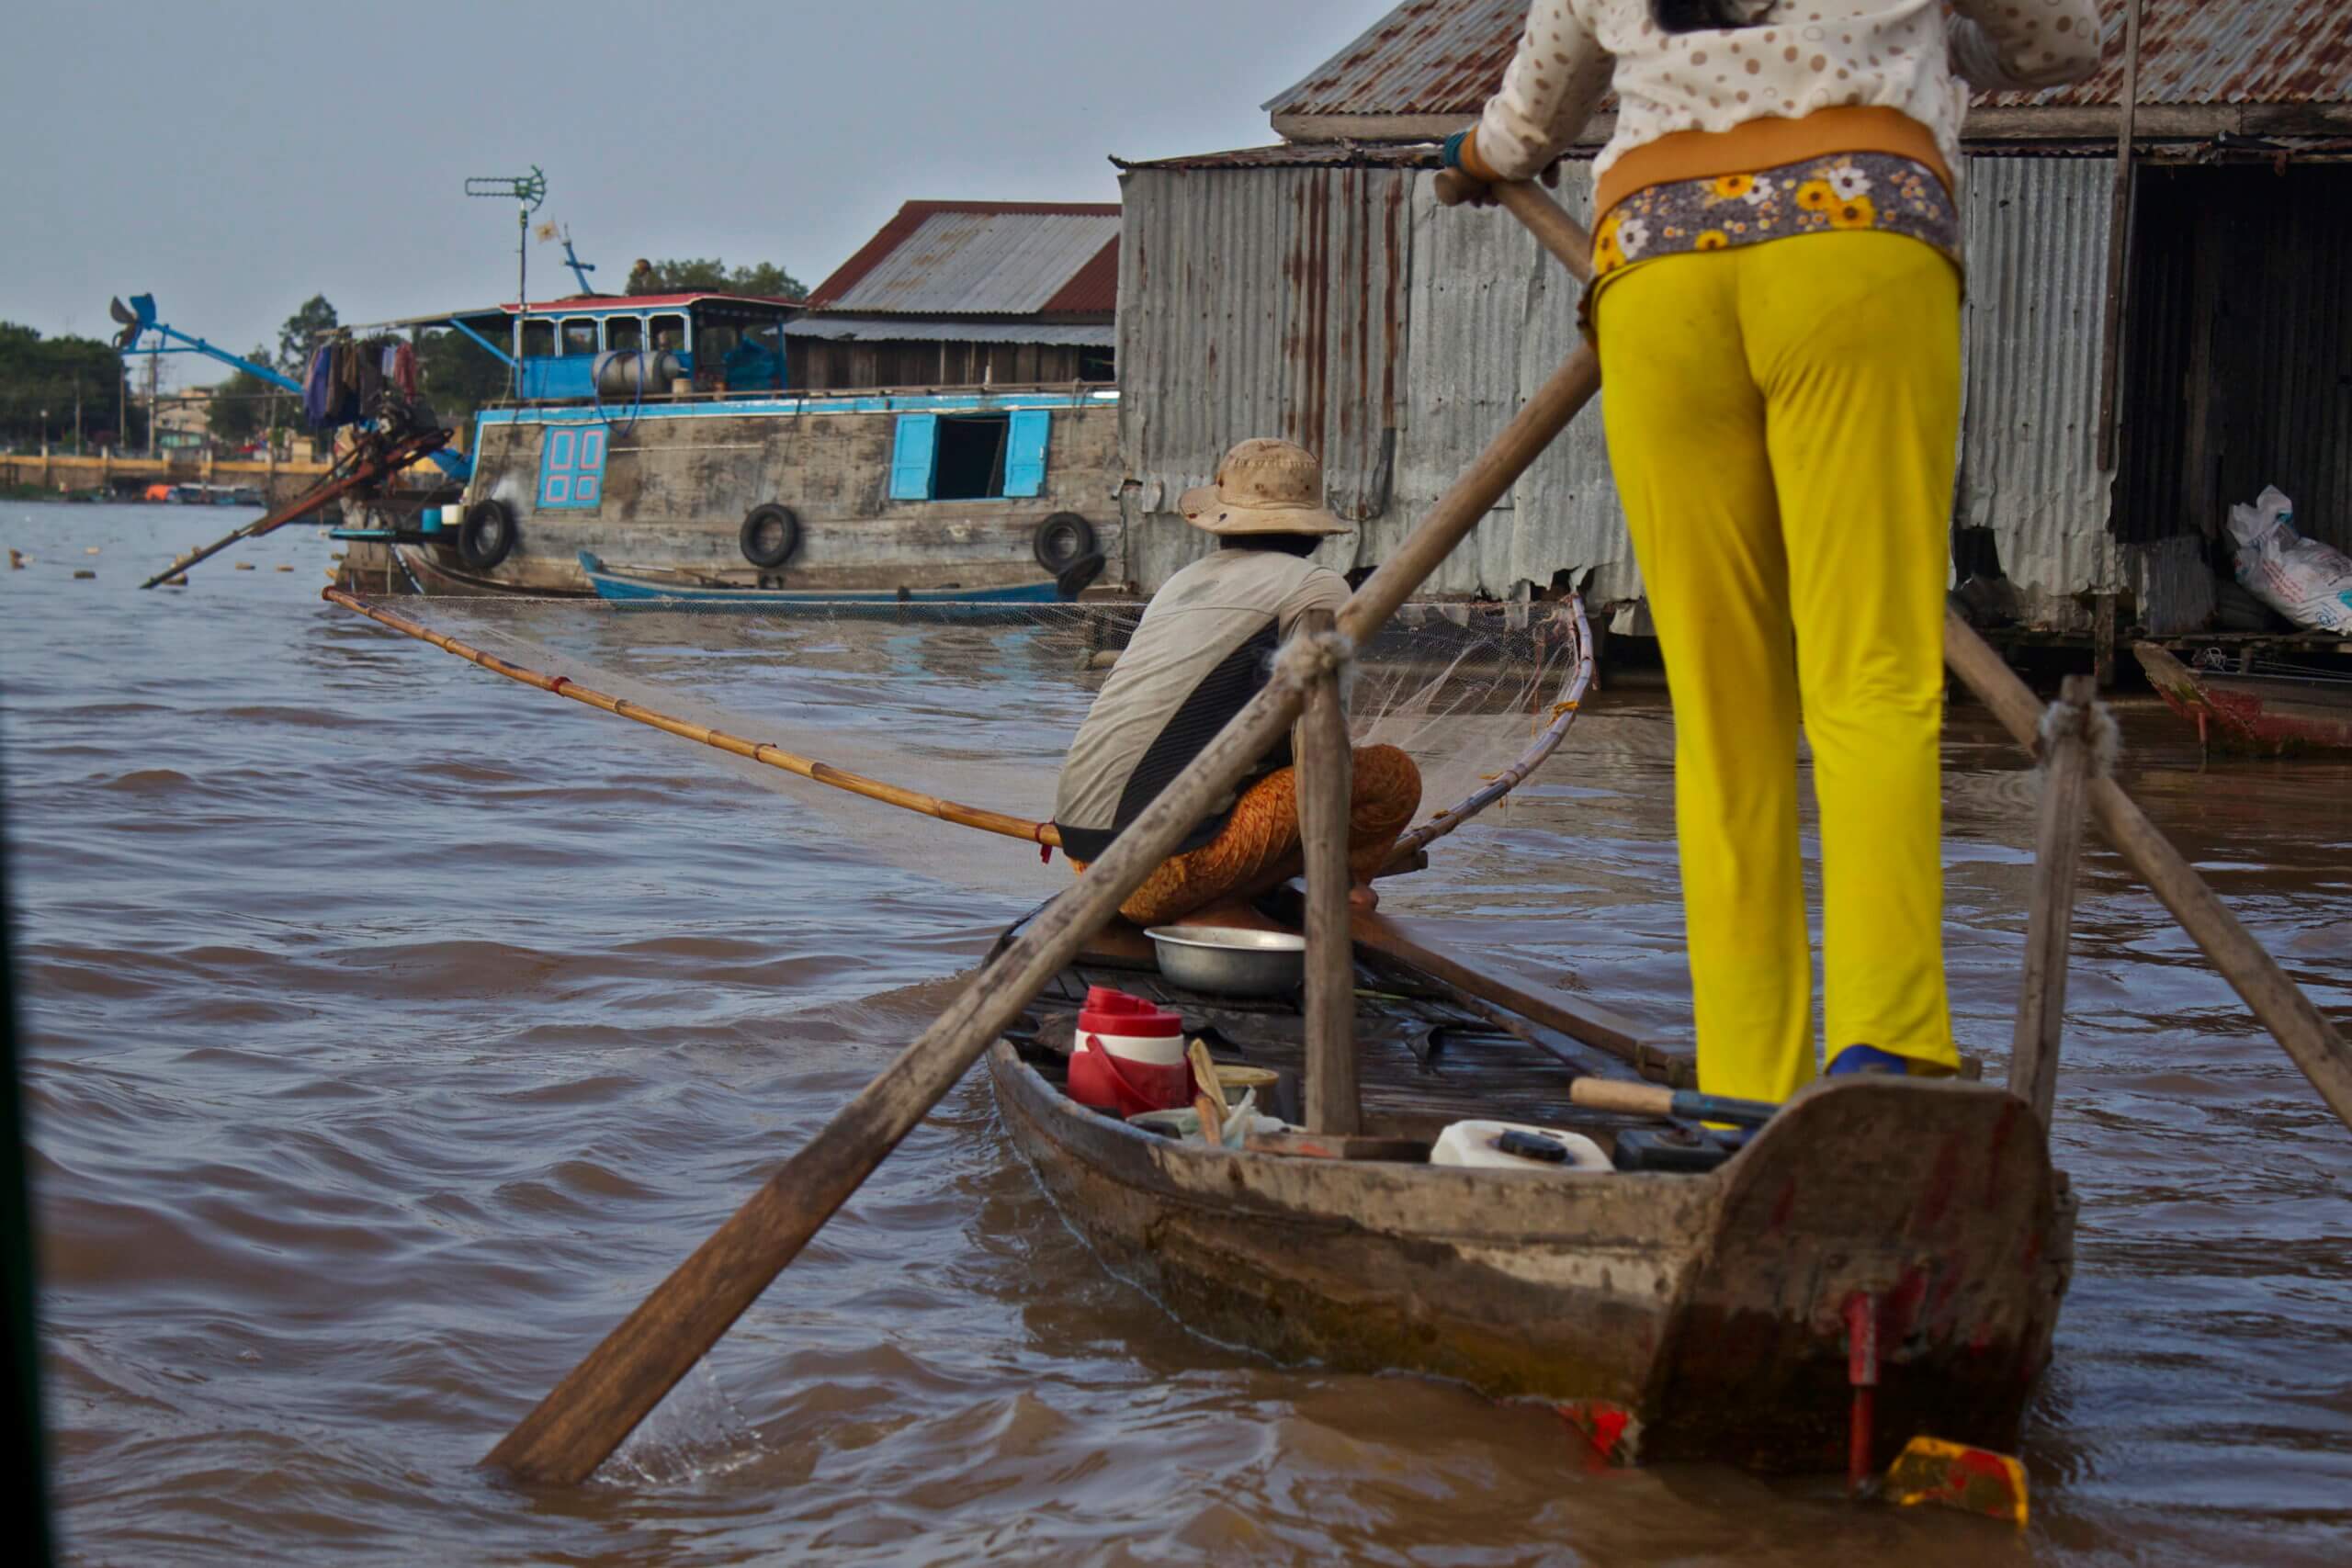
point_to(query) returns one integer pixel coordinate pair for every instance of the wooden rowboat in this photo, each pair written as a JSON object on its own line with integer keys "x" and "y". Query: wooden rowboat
{"x": 2272, "y": 710}
{"x": 1671, "y": 1317}
{"x": 643, "y": 587}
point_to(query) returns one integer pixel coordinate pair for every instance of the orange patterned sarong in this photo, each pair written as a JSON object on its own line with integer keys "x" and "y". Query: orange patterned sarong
{"x": 1259, "y": 846}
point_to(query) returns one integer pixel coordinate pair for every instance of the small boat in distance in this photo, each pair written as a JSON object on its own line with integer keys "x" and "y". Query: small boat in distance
{"x": 2259, "y": 706}
{"x": 678, "y": 588}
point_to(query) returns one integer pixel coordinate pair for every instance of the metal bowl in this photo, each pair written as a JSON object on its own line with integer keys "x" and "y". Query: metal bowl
{"x": 1229, "y": 962}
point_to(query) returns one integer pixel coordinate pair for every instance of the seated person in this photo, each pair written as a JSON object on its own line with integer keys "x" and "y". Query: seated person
{"x": 1205, "y": 646}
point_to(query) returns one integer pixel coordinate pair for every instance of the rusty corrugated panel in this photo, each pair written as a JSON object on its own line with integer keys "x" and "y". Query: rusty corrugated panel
{"x": 1264, "y": 302}
{"x": 2036, "y": 237}
{"x": 1426, "y": 56}
{"x": 1432, "y": 57}
{"x": 2223, "y": 52}
{"x": 1492, "y": 317}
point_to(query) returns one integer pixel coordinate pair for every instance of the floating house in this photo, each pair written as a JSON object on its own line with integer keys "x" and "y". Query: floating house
{"x": 2159, "y": 316}
{"x": 937, "y": 421}
{"x": 967, "y": 294}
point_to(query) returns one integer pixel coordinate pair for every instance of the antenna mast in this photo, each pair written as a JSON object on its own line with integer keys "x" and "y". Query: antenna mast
{"x": 528, "y": 191}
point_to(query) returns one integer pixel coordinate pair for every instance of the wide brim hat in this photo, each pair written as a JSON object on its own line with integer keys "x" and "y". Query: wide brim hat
{"x": 1262, "y": 487}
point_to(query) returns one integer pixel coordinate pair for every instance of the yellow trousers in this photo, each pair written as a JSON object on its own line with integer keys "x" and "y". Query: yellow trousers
{"x": 1781, "y": 421}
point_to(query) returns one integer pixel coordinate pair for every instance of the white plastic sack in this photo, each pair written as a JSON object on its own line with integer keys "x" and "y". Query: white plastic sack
{"x": 2306, "y": 581}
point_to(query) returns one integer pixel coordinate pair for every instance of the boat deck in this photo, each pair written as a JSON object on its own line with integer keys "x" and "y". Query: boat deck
{"x": 1424, "y": 1058}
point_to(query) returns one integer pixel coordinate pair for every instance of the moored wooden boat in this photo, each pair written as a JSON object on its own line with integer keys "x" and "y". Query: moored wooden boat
{"x": 2273, "y": 710}
{"x": 1673, "y": 1316}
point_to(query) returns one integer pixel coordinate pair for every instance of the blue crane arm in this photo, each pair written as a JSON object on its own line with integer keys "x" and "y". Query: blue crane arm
{"x": 198, "y": 346}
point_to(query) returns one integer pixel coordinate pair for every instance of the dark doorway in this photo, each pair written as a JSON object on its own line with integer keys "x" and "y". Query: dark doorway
{"x": 971, "y": 457}
{"x": 2238, "y": 365}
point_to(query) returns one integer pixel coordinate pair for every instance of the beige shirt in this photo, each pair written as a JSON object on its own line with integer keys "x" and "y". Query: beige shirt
{"x": 1202, "y": 649}
{"x": 1796, "y": 57}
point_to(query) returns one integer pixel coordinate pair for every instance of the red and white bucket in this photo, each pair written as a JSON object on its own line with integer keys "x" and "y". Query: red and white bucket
{"x": 1128, "y": 1056}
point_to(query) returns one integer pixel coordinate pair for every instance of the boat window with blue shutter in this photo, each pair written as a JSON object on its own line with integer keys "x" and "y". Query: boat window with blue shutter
{"x": 571, "y": 468}
{"x": 1025, "y": 458}
{"x": 911, "y": 459}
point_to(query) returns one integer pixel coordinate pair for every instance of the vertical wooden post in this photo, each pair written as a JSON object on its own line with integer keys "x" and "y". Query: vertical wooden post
{"x": 2058, "y": 842}
{"x": 1319, "y": 741}
{"x": 2103, "y": 641}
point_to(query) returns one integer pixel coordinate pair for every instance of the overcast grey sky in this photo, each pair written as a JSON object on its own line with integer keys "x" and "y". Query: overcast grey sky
{"x": 236, "y": 158}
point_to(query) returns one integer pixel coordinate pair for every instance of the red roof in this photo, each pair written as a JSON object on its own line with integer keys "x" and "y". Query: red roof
{"x": 645, "y": 301}
{"x": 1083, "y": 281}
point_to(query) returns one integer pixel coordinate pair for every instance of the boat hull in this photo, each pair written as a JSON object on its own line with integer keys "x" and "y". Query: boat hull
{"x": 625, "y": 587}
{"x": 2271, "y": 716}
{"x": 1674, "y": 1317}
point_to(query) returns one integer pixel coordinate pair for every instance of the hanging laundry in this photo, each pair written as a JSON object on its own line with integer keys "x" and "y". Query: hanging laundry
{"x": 318, "y": 387}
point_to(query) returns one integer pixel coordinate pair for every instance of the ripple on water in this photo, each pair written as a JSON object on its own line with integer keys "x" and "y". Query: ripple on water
{"x": 394, "y": 1031}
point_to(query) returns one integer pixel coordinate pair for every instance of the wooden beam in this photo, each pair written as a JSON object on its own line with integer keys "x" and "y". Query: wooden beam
{"x": 2041, "y": 1003}
{"x": 1579, "y": 1019}
{"x": 1324, "y": 765}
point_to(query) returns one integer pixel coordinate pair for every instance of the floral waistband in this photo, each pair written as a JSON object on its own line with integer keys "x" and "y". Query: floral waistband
{"x": 1842, "y": 191}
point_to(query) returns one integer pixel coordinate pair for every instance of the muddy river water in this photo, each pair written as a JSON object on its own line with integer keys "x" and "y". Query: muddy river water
{"x": 392, "y": 1030}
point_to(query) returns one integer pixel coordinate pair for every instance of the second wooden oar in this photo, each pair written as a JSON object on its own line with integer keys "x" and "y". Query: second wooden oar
{"x": 2313, "y": 1042}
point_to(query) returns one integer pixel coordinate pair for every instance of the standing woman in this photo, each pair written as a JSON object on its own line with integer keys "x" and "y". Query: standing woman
{"x": 1776, "y": 301}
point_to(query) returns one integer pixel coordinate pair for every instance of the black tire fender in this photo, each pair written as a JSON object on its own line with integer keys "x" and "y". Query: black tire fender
{"x": 1076, "y": 578}
{"x": 1061, "y": 541}
{"x": 486, "y": 536}
{"x": 771, "y": 535}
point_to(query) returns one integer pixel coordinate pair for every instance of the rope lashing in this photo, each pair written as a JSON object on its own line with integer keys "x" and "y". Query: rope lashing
{"x": 2099, "y": 727}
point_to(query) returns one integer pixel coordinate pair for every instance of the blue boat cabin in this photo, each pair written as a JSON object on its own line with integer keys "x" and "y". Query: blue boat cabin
{"x": 719, "y": 343}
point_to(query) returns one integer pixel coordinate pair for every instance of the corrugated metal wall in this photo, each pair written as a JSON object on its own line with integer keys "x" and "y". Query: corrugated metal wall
{"x": 2036, "y": 242}
{"x": 1210, "y": 333}
{"x": 1257, "y": 302}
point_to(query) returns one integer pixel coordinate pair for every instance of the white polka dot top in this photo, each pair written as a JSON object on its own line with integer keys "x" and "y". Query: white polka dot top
{"x": 1794, "y": 58}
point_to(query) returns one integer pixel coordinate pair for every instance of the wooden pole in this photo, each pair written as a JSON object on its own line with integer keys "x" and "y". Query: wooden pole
{"x": 2042, "y": 1004}
{"x": 759, "y": 751}
{"x": 588, "y": 1414}
{"x": 2119, "y": 243}
{"x": 1326, "y": 766}
{"x": 2314, "y": 1044}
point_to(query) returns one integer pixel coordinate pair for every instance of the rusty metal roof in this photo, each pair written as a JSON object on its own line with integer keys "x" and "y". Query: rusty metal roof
{"x": 1424, "y": 57}
{"x": 984, "y": 258}
{"x": 1443, "y": 57}
{"x": 2223, "y": 52}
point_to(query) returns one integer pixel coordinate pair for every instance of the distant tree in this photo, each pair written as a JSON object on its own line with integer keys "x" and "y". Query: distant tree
{"x": 244, "y": 405}
{"x": 295, "y": 338}
{"x": 39, "y": 373}
{"x": 690, "y": 273}
{"x": 458, "y": 376}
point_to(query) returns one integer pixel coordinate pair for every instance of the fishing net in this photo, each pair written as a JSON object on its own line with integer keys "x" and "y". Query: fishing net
{"x": 977, "y": 704}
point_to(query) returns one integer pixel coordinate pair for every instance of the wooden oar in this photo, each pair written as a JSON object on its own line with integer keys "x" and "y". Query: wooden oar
{"x": 759, "y": 751}
{"x": 587, "y": 1414}
{"x": 2314, "y": 1044}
